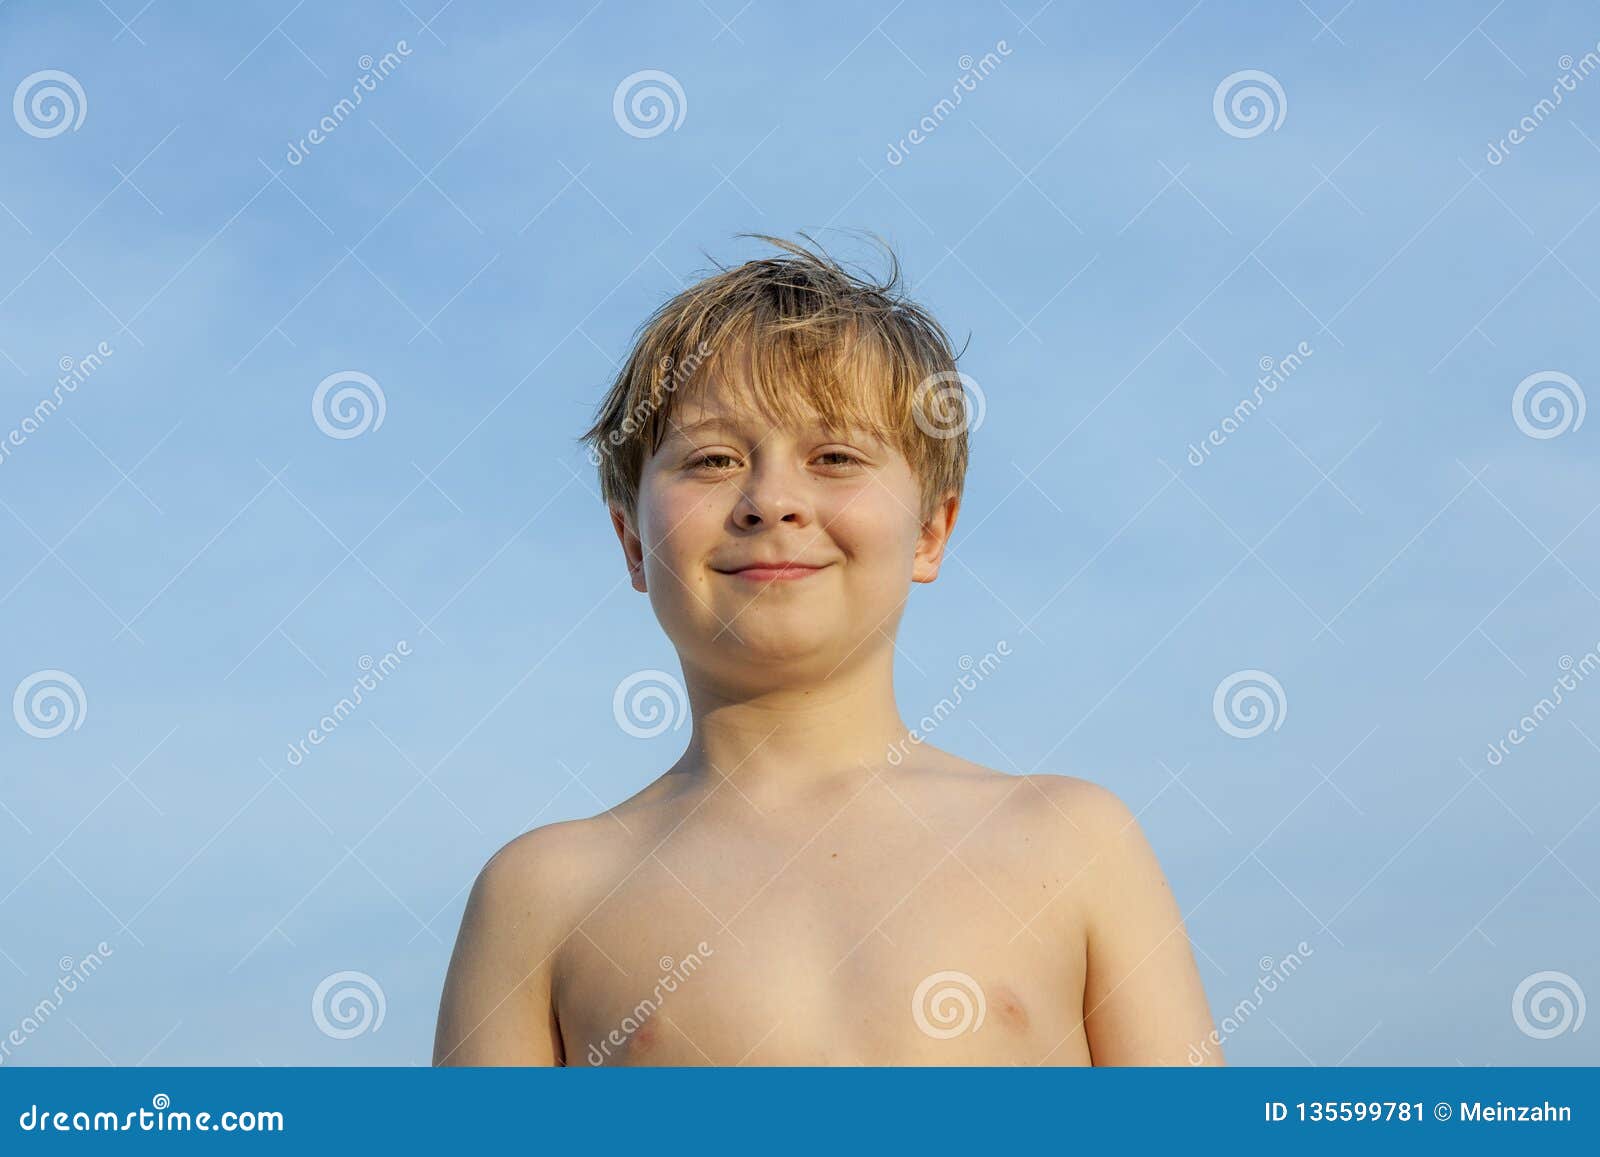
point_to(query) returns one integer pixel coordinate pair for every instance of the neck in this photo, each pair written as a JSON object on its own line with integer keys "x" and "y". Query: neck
{"x": 799, "y": 736}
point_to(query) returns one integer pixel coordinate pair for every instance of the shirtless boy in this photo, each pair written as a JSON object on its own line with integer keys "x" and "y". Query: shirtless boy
{"x": 783, "y": 456}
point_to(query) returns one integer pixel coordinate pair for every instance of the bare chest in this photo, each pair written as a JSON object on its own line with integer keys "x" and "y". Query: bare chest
{"x": 907, "y": 949}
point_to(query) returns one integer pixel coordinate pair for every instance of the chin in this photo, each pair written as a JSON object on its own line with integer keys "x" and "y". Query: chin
{"x": 773, "y": 637}
{"x": 757, "y": 643}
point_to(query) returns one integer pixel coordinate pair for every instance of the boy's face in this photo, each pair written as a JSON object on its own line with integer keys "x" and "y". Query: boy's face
{"x": 727, "y": 489}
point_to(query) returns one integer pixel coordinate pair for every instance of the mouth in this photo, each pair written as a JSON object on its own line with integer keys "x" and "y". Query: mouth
{"x": 783, "y": 572}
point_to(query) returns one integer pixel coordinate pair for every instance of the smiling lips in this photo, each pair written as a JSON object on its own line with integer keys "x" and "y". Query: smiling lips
{"x": 773, "y": 572}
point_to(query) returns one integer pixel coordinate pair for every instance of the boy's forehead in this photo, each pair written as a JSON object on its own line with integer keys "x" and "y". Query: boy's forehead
{"x": 744, "y": 415}
{"x": 723, "y": 390}
{"x": 729, "y": 399}
{"x": 716, "y": 394}
{"x": 728, "y": 406}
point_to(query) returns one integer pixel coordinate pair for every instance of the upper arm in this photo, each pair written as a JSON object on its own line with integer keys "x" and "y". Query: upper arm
{"x": 496, "y": 1007}
{"x": 1143, "y": 1001}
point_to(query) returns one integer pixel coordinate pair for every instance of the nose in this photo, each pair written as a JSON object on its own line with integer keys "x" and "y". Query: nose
{"x": 773, "y": 494}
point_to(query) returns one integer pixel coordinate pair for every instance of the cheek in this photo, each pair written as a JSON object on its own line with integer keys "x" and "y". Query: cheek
{"x": 677, "y": 520}
{"x": 873, "y": 525}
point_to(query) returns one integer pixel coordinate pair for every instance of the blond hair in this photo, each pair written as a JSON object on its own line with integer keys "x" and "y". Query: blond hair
{"x": 810, "y": 336}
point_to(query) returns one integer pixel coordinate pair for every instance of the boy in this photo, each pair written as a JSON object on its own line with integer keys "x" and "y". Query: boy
{"x": 804, "y": 886}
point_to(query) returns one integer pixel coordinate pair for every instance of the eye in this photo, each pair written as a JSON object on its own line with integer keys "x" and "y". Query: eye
{"x": 711, "y": 461}
{"x": 849, "y": 459}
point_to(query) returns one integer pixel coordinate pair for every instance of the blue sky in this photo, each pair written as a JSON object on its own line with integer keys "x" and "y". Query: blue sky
{"x": 480, "y": 237}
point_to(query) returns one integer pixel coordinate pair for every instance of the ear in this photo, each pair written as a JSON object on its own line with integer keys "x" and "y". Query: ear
{"x": 935, "y": 534}
{"x": 632, "y": 548}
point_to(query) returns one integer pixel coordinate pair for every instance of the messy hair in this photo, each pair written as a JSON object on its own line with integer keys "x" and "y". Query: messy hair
{"x": 813, "y": 340}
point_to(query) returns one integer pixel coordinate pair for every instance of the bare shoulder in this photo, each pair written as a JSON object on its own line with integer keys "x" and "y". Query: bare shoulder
{"x": 564, "y": 869}
{"x": 1080, "y": 812}
{"x": 540, "y": 855}
{"x": 1083, "y": 799}
{"x": 1111, "y": 853}
{"x": 546, "y": 873}
{"x": 526, "y": 901}
{"x": 1093, "y": 810}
